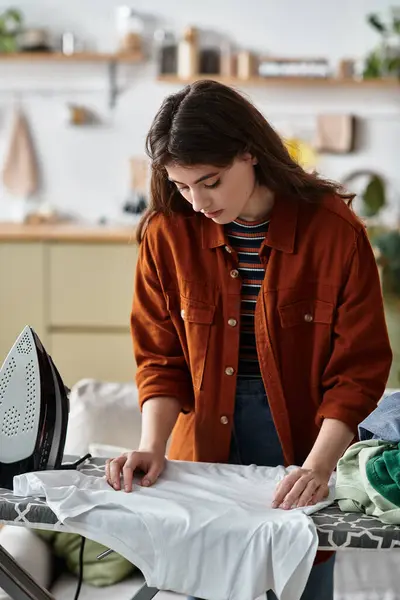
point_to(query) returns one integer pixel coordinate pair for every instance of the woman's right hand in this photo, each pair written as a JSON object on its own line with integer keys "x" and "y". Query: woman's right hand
{"x": 151, "y": 463}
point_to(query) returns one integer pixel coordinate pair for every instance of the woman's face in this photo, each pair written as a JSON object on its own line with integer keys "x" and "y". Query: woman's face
{"x": 221, "y": 194}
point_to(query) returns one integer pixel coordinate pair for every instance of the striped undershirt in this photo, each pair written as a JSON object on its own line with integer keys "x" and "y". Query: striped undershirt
{"x": 246, "y": 239}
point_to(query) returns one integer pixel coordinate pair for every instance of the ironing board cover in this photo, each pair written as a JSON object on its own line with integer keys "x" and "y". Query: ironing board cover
{"x": 336, "y": 530}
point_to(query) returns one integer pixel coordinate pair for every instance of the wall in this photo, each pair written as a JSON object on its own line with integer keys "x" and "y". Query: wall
{"x": 86, "y": 171}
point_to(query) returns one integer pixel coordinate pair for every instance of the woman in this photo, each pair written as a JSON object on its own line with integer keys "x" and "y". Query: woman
{"x": 257, "y": 321}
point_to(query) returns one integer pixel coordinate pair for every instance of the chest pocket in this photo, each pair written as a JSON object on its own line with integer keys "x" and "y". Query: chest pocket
{"x": 193, "y": 320}
{"x": 306, "y": 312}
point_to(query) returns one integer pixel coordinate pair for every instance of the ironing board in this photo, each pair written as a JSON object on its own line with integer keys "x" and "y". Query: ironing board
{"x": 336, "y": 531}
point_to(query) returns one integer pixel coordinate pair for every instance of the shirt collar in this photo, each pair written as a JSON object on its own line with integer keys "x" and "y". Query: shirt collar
{"x": 281, "y": 232}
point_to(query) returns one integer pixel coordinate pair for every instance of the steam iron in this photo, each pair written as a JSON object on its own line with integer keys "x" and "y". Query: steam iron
{"x": 34, "y": 408}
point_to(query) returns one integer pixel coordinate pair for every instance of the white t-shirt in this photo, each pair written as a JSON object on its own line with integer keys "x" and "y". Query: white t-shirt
{"x": 205, "y": 530}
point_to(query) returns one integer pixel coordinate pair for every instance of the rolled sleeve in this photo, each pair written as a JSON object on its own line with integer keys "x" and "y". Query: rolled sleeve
{"x": 357, "y": 372}
{"x": 161, "y": 366}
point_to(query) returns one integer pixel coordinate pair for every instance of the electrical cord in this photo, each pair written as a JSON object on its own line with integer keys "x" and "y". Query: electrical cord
{"x": 80, "y": 576}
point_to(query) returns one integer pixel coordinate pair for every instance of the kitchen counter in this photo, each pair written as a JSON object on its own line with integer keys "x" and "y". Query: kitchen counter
{"x": 71, "y": 232}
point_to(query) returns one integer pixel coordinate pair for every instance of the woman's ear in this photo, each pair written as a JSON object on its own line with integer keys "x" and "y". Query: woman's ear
{"x": 247, "y": 157}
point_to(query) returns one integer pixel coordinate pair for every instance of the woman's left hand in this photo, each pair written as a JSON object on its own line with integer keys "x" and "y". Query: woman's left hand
{"x": 301, "y": 487}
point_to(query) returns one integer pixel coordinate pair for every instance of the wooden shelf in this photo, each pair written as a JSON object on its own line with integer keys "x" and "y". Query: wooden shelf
{"x": 66, "y": 232}
{"x": 111, "y": 60}
{"x": 74, "y": 58}
{"x": 289, "y": 81}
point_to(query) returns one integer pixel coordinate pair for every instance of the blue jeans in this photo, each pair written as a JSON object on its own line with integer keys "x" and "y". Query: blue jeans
{"x": 255, "y": 441}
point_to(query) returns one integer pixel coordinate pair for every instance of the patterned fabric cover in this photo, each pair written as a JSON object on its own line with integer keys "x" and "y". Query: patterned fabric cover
{"x": 336, "y": 530}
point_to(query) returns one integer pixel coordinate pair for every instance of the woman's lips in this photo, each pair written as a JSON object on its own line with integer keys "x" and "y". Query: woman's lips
{"x": 213, "y": 215}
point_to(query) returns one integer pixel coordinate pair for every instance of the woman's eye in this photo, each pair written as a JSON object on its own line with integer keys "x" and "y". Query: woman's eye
{"x": 182, "y": 189}
{"x": 212, "y": 186}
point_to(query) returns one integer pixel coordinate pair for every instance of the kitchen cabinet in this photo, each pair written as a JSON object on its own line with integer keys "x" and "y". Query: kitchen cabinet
{"x": 90, "y": 285}
{"x": 99, "y": 353}
{"x": 22, "y": 291}
{"x": 74, "y": 287}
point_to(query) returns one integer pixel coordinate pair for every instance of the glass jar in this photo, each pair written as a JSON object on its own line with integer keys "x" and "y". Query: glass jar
{"x": 130, "y": 29}
{"x": 167, "y": 52}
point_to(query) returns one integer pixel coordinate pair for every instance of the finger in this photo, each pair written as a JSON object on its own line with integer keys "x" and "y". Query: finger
{"x": 285, "y": 486}
{"x": 115, "y": 471}
{"x": 132, "y": 463}
{"x": 294, "y": 494}
{"x": 315, "y": 498}
{"x": 308, "y": 493}
{"x": 325, "y": 491}
{"x": 153, "y": 474}
{"x": 320, "y": 494}
{"x": 107, "y": 471}
{"x": 107, "y": 464}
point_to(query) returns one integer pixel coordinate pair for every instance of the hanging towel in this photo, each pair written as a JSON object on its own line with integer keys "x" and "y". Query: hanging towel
{"x": 335, "y": 133}
{"x": 20, "y": 173}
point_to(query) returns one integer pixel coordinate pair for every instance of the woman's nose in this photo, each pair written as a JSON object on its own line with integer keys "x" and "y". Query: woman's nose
{"x": 198, "y": 201}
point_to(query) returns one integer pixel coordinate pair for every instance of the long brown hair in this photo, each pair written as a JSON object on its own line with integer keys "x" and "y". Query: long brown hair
{"x": 210, "y": 123}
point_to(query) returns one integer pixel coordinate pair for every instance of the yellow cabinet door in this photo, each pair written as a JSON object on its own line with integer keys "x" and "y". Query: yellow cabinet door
{"x": 91, "y": 285}
{"x": 22, "y": 300}
{"x": 105, "y": 356}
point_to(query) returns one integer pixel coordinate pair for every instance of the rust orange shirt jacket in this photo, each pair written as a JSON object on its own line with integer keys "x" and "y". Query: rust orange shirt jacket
{"x": 321, "y": 335}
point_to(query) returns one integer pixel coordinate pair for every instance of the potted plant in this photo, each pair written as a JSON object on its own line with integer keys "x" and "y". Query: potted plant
{"x": 385, "y": 240}
{"x": 387, "y": 251}
{"x": 10, "y": 27}
{"x": 384, "y": 61}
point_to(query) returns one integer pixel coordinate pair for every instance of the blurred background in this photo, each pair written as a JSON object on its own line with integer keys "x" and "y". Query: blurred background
{"x": 80, "y": 82}
{"x": 79, "y": 86}
{"x": 89, "y": 109}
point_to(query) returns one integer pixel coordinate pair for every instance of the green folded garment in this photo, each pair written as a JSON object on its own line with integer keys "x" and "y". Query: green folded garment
{"x": 354, "y": 492}
{"x": 383, "y": 472}
{"x": 99, "y": 573}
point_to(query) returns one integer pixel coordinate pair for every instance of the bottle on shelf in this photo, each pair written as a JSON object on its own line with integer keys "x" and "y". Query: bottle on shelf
{"x": 246, "y": 65}
{"x": 167, "y": 52}
{"x": 209, "y": 53}
{"x": 228, "y": 59}
{"x": 188, "y": 54}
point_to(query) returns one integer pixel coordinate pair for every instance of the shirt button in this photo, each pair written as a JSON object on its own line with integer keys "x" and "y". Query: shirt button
{"x": 234, "y": 273}
{"x": 183, "y": 313}
{"x": 229, "y": 371}
{"x": 224, "y": 420}
{"x": 308, "y": 318}
{"x": 232, "y": 322}
{"x": 228, "y": 249}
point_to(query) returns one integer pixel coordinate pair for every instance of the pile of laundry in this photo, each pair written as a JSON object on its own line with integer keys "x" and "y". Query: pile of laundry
{"x": 368, "y": 474}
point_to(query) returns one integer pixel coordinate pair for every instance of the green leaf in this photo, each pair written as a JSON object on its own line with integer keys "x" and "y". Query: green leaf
{"x": 374, "y": 196}
{"x": 389, "y": 245}
{"x": 393, "y": 65}
{"x": 373, "y": 66}
{"x": 396, "y": 26}
{"x": 376, "y": 23}
{"x": 15, "y": 15}
{"x": 11, "y": 21}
